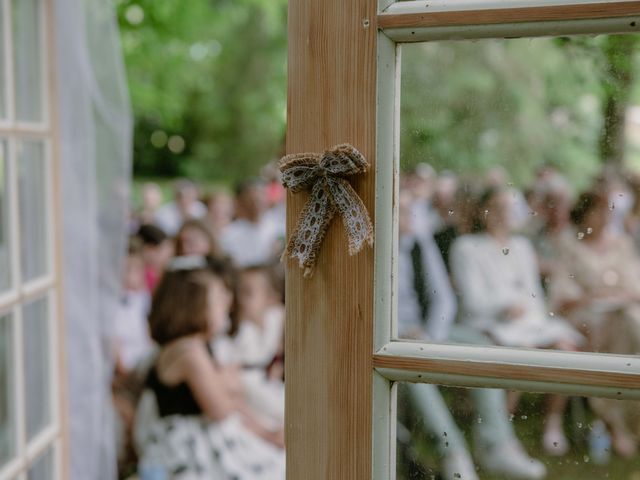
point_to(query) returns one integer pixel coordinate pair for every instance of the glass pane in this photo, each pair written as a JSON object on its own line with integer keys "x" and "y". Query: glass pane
{"x": 28, "y": 59}
{"x": 7, "y": 407}
{"x": 44, "y": 467}
{"x": 3, "y": 73}
{"x": 37, "y": 362}
{"x": 32, "y": 209}
{"x": 5, "y": 225}
{"x": 520, "y": 193}
{"x": 456, "y": 433}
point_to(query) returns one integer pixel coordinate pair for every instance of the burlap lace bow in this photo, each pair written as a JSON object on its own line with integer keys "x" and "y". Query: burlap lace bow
{"x": 323, "y": 174}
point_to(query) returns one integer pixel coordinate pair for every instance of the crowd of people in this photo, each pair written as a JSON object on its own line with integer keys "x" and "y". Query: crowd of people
{"x": 198, "y": 339}
{"x": 481, "y": 262}
{"x": 198, "y": 383}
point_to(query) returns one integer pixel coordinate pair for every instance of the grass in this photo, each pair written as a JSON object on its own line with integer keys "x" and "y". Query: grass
{"x": 421, "y": 462}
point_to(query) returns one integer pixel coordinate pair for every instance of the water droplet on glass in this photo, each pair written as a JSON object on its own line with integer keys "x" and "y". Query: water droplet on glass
{"x": 551, "y": 314}
{"x": 523, "y": 417}
{"x": 511, "y": 417}
{"x": 580, "y": 235}
{"x": 450, "y": 212}
{"x": 579, "y": 424}
{"x": 555, "y": 444}
{"x": 571, "y": 275}
{"x": 510, "y": 184}
{"x": 533, "y": 295}
{"x": 505, "y": 251}
{"x": 589, "y": 230}
{"x": 533, "y": 213}
{"x": 612, "y": 206}
{"x": 586, "y": 458}
{"x": 457, "y": 475}
{"x": 479, "y": 419}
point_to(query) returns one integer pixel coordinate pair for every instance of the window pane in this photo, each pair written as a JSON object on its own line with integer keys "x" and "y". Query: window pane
{"x": 7, "y": 407}
{"x": 44, "y": 467}
{"x": 37, "y": 362}
{"x": 520, "y": 193}
{"x": 32, "y": 209}
{"x": 489, "y": 434}
{"x": 28, "y": 59}
{"x": 5, "y": 237}
{"x": 3, "y": 73}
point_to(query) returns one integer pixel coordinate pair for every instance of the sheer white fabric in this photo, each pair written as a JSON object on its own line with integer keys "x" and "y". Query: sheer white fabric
{"x": 94, "y": 121}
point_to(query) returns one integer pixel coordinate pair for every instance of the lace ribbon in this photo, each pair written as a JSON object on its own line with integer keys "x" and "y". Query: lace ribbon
{"x": 323, "y": 174}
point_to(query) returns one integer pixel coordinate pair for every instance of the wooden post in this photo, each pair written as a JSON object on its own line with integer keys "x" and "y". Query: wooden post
{"x": 329, "y": 327}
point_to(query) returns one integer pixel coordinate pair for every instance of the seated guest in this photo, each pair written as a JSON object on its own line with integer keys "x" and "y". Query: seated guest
{"x": 186, "y": 205}
{"x": 598, "y": 288}
{"x": 426, "y": 310}
{"x": 196, "y": 238}
{"x": 498, "y": 281}
{"x": 199, "y": 425}
{"x": 252, "y": 238}
{"x": 157, "y": 250}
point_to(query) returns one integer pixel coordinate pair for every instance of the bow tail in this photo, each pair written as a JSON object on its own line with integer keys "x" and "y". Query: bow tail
{"x": 354, "y": 214}
{"x": 312, "y": 225}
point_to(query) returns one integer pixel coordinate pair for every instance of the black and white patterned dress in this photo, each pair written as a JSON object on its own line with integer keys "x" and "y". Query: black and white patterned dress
{"x": 192, "y": 447}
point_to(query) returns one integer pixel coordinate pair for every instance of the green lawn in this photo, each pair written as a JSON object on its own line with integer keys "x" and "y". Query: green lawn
{"x": 421, "y": 462}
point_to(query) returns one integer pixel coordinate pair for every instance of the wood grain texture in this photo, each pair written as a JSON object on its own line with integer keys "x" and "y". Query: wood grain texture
{"x": 329, "y": 327}
{"x": 510, "y": 372}
{"x": 510, "y": 15}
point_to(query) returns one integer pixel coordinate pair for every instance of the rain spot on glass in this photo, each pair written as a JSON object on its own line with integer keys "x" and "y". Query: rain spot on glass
{"x": 580, "y": 235}
{"x": 551, "y": 314}
{"x": 450, "y": 213}
{"x": 505, "y": 251}
{"x": 589, "y": 231}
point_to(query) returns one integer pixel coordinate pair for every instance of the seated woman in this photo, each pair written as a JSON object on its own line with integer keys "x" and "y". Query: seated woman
{"x": 202, "y": 428}
{"x": 498, "y": 281}
{"x": 598, "y": 288}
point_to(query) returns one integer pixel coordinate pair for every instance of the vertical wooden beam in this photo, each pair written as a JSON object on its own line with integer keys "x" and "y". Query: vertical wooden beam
{"x": 329, "y": 329}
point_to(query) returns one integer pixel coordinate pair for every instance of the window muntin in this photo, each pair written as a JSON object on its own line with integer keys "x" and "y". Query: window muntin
{"x": 29, "y": 285}
{"x": 416, "y": 21}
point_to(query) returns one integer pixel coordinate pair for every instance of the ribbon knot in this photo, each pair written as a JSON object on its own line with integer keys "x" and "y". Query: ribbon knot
{"x": 323, "y": 175}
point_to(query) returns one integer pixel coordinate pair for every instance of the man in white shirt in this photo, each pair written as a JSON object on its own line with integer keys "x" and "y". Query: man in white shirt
{"x": 171, "y": 216}
{"x": 252, "y": 238}
{"x": 426, "y": 311}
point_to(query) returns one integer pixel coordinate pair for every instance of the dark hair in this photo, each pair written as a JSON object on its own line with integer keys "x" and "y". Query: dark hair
{"x": 586, "y": 203}
{"x": 480, "y": 217}
{"x": 151, "y": 235}
{"x": 247, "y": 184}
{"x": 202, "y": 227}
{"x": 180, "y": 305}
{"x": 134, "y": 246}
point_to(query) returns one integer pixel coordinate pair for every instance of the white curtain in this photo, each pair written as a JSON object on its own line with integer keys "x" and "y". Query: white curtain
{"x": 94, "y": 121}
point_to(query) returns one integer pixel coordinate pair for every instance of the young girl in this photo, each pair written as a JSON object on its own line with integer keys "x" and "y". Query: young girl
{"x": 258, "y": 343}
{"x": 203, "y": 428}
{"x": 195, "y": 237}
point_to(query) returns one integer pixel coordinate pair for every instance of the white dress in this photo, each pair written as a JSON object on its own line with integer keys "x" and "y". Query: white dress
{"x": 193, "y": 447}
{"x": 491, "y": 278}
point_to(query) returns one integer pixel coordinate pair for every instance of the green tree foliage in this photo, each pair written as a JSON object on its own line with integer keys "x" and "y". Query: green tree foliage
{"x": 208, "y": 84}
{"x": 467, "y": 106}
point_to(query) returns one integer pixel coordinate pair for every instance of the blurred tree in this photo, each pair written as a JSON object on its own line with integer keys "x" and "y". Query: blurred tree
{"x": 467, "y": 106}
{"x": 619, "y": 76}
{"x": 208, "y": 84}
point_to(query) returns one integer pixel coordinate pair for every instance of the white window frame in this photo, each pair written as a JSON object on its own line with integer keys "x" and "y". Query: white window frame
{"x": 585, "y": 374}
{"x": 49, "y": 285}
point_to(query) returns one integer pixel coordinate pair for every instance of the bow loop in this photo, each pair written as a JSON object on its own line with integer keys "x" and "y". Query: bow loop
{"x": 330, "y": 194}
{"x": 343, "y": 160}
